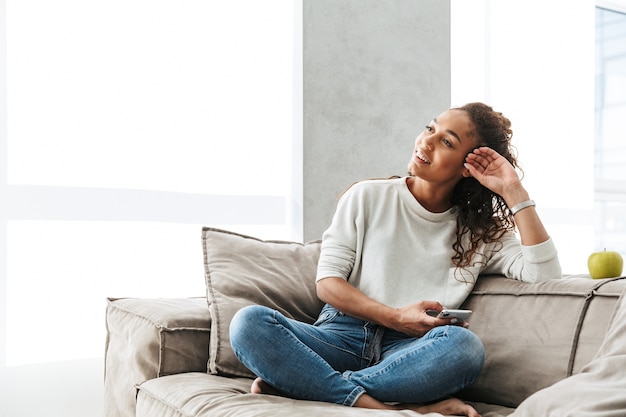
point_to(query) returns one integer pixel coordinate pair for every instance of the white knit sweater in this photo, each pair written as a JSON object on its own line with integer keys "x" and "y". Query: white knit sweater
{"x": 395, "y": 251}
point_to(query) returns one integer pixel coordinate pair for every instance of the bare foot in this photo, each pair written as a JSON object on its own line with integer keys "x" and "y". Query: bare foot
{"x": 261, "y": 387}
{"x": 451, "y": 406}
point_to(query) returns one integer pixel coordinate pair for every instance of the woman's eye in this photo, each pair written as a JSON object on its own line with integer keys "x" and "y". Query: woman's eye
{"x": 430, "y": 129}
{"x": 447, "y": 142}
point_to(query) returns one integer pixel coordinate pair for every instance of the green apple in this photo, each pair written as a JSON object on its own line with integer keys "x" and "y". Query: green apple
{"x": 606, "y": 264}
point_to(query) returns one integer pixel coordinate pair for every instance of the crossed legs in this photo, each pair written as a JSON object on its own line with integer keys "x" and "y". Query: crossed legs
{"x": 325, "y": 362}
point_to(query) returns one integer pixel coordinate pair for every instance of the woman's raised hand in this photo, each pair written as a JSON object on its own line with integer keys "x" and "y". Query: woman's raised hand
{"x": 492, "y": 170}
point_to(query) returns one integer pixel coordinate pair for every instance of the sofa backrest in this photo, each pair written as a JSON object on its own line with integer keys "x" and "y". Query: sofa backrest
{"x": 537, "y": 334}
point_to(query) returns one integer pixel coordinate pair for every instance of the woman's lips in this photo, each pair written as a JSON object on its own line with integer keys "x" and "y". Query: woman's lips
{"x": 421, "y": 157}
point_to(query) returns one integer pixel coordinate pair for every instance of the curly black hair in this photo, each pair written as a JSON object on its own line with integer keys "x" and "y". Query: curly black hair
{"x": 482, "y": 215}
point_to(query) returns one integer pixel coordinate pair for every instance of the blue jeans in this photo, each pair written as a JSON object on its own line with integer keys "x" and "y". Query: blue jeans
{"x": 339, "y": 358}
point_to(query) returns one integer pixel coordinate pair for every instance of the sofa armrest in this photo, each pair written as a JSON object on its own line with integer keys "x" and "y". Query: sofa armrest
{"x": 149, "y": 338}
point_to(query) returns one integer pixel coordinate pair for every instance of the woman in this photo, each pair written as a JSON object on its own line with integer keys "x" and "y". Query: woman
{"x": 396, "y": 250}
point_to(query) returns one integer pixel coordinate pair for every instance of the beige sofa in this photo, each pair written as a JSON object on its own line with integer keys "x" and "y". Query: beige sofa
{"x": 552, "y": 349}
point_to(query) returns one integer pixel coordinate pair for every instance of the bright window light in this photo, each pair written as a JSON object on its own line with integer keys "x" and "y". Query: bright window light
{"x": 60, "y": 273}
{"x": 184, "y": 96}
{"x": 131, "y": 124}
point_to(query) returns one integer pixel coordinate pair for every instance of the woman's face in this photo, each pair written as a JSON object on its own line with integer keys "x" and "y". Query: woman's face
{"x": 440, "y": 150}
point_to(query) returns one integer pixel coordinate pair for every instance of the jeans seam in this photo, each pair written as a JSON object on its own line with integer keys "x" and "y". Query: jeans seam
{"x": 401, "y": 358}
{"x": 356, "y": 392}
{"x": 426, "y": 386}
{"x": 354, "y": 396}
{"x": 325, "y": 342}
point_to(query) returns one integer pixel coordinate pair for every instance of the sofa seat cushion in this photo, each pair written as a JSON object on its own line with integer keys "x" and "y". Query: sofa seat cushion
{"x": 202, "y": 395}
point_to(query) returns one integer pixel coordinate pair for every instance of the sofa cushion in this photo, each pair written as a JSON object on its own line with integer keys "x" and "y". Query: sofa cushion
{"x": 150, "y": 338}
{"x": 242, "y": 270}
{"x": 202, "y": 395}
{"x": 598, "y": 390}
{"x": 536, "y": 334}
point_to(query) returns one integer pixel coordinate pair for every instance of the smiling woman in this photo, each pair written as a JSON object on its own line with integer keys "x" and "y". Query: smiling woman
{"x": 151, "y": 117}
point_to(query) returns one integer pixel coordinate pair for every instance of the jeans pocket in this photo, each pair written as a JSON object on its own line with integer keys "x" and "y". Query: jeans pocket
{"x": 328, "y": 314}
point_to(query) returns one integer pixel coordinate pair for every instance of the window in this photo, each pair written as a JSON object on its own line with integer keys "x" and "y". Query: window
{"x": 130, "y": 124}
{"x": 544, "y": 79}
{"x": 509, "y": 55}
{"x": 610, "y": 139}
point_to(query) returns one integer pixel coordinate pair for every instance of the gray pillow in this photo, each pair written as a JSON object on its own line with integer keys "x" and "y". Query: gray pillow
{"x": 242, "y": 270}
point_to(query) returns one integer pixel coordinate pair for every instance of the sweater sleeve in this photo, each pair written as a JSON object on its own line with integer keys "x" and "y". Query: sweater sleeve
{"x": 534, "y": 263}
{"x": 339, "y": 242}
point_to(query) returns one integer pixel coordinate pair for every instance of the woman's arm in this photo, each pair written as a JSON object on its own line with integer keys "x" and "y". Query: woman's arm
{"x": 531, "y": 229}
{"x": 412, "y": 320}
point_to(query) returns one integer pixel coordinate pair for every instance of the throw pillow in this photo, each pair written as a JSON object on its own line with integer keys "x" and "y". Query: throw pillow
{"x": 242, "y": 270}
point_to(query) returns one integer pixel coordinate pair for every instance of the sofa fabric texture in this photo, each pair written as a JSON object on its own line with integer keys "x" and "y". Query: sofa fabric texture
{"x": 150, "y": 339}
{"x": 242, "y": 270}
{"x": 554, "y": 348}
{"x": 553, "y": 328}
{"x": 205, "y": 396}
{"x": 599, "y": 388}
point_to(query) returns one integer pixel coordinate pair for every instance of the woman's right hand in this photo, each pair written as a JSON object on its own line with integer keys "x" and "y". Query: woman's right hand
{"x": 412, "y": 320}
{"x": 415, "y": 321}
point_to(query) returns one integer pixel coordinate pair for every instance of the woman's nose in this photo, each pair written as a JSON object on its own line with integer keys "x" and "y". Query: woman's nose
{"x": 428, "y": 142}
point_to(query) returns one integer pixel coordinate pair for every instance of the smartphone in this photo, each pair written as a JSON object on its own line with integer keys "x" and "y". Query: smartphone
{"x": 462, "y": 315}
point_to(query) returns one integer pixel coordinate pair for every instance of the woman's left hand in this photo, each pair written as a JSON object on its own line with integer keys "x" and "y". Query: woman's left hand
{"x": 492, "y": 170}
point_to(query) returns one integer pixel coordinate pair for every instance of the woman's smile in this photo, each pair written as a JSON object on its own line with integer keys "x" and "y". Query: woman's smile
{"x": 421, "y": 158}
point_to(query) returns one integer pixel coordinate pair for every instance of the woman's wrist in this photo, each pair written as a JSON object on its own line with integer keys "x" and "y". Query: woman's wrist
{"x": 515, "y": 195}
